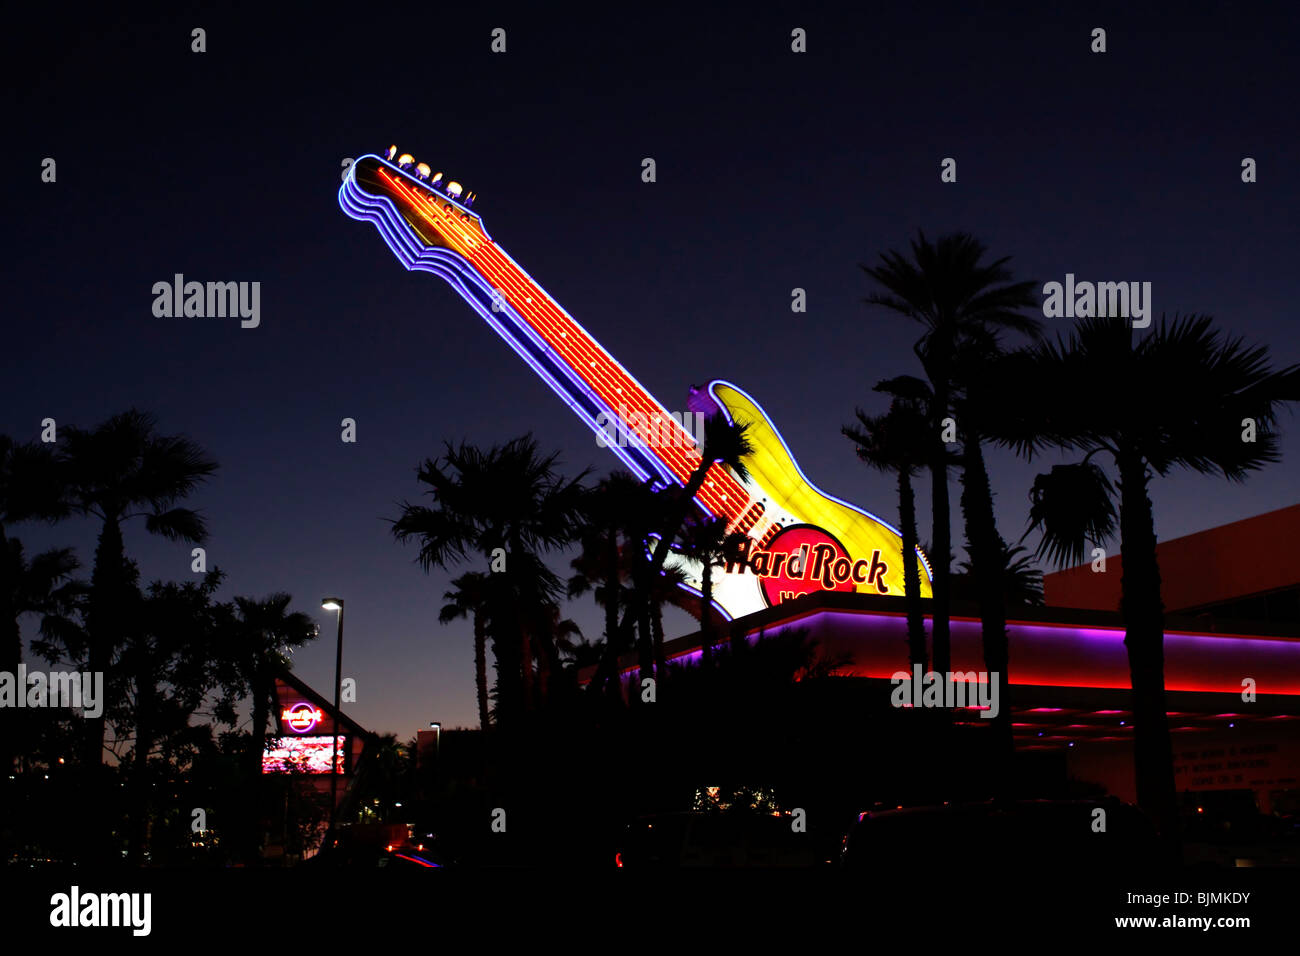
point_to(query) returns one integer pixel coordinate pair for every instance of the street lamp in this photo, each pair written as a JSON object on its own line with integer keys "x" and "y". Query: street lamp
{"x": 335, "y": 604}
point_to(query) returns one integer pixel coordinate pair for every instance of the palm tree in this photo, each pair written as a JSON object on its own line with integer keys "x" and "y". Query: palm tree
{"x": 264, "y": 633}
{"x": 652, "y": 511}
{"x": 552, "y": 634}
{"x": 614, "y": 563}
{"x": 896, "y": 442}
{"x": 1022, "y": 581}
{"x": 627, "y": 517}
{"x": 1179, "y": 397}
{"x": 706, "y": 540}
{"x": 727, "y": 444}
{"x": 267, "y": 633}
{"x": 986, "y": 548}
{"x": 120, "y": 470}
{"x": 470, "y": 599}
{"x": 598, "y": 565}
{"x": 506, "y": 502}
{"x": 385, "y": 777}
{"x": 29, "y": 489}
{"x": 959, "y": 300}
{"x": 42, "y": 586}
{"x": 666, "y": 588}
{"x": 174, "y": 650}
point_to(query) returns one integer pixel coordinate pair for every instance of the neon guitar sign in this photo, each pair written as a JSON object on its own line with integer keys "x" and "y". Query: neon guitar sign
{"x": 801, "y": 539}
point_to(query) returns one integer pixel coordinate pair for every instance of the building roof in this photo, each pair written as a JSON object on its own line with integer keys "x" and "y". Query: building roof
{"x": 1255, "y": 556}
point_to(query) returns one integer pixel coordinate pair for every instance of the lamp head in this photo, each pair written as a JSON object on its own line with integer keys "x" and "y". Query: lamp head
{"x": 332, "y": 604}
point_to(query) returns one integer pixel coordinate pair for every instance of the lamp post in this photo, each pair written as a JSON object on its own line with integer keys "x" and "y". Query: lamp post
{"x": 335, "y": 604}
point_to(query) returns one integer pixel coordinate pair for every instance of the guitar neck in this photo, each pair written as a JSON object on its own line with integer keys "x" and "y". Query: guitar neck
{"x": 584, "y": 360}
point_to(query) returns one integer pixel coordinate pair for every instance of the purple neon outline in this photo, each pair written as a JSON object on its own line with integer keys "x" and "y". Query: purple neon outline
{"x": 361, "y": 205}
{"x": 925, "y": 563}
{"x": 1091, "y": 638}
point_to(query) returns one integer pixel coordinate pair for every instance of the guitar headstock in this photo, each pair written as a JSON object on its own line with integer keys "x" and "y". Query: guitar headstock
{"x": 436, "y": 209}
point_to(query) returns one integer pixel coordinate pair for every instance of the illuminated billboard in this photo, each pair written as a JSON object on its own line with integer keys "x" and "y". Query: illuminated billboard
{"x": 801, "y": 538}
{"x": 302, "y": 754}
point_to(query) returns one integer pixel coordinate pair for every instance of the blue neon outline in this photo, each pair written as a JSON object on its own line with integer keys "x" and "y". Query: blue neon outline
{"x": 364, "y": 206}
{"x": 925, "y": 563}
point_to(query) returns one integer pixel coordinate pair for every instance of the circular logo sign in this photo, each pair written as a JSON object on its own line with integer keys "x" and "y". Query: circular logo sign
{"x": 302, "y": 717}
{"x": 801, "y": 559}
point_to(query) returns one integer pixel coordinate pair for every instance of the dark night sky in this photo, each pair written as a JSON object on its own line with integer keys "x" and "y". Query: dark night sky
{"x": 775, "y": 170}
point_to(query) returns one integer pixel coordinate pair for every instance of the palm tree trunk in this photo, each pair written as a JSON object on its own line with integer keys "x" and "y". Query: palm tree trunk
{"x": 11, "y": 647}
{"x": 706, "y": 617}
{"x": 986, "y": 562}
{"x": 257, "y": 747}
{"x": 941, "y": 528}
{"x": 662, "y": 549}
{"x": 613, "y": 578}
{"x": 940, "y": 585}
{"x": 693, "y": 486}
{"x": 1143, "y": 611}
{"x": 103, "y": 623}
{"x": 480, "y": 668}
{"x": 526, "y": 655}
{"x": 911, "y": 571}
{"x": 645, "y": 639}
{"x": 605, "y": 680}
{"x": 547, "y": 663}
{"x": 145, "y": 693}
{"x": 261, "y": 711}
{"x": 657, "y": 633}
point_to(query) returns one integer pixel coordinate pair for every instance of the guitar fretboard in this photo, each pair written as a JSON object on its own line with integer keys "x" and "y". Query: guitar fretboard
{"x": 663, "y": 436}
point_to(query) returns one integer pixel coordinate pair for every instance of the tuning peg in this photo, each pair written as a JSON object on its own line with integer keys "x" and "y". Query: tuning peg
{"x": 436, "y": 180}
{"x": 453, "y": 188}
{"x": 392, "y": 151}
{"x": 469, "y": 199}
{"x": 405, "y": 160}
{"x": 422, "y": 170}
